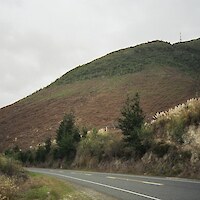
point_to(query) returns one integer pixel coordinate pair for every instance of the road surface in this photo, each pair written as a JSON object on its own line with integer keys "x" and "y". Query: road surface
{"x": 130, "y": 187}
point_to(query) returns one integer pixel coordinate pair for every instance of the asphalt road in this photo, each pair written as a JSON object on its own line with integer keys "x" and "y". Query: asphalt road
{"x": 130, "y": 187}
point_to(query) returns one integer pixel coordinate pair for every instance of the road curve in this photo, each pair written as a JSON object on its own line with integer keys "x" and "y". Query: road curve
{"x": 130, "y": 187}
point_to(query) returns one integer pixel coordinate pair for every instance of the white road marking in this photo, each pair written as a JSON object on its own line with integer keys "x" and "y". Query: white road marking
{"x": 152, "y": 183}
{"x": 103, "y": 185}
{"x": 134, "y": 180}
{"x": 182, "y": 180}
{"x": 155, "y": 178}
{"x": 88, "y": 174}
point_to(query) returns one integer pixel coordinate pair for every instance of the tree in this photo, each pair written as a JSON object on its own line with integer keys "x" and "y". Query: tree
{"x": 131, "y": 122}
{"x": 40, "y": 154}
{"x": 48, "y": 145}
{"x": 67, "y": 137}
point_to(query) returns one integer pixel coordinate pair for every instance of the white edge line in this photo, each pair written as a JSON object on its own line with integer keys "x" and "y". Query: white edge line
{"x": 103, "y": 185}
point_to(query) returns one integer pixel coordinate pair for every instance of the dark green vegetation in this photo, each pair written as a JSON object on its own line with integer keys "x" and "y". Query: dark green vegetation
{"x": 163, "y": 74}
{"x": 67, "y": 138}
{"x": 63, "y": 149}
{"x": 184, "y": 56}
{"x": 131, "y": 123}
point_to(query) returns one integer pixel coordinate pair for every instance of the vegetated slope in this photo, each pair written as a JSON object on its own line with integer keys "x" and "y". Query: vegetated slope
{"x": 163, "y": 74}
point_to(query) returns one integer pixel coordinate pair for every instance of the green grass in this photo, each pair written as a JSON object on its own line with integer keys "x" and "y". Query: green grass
{"x": 43, "y": 187}
{"x": 184, "y": 56}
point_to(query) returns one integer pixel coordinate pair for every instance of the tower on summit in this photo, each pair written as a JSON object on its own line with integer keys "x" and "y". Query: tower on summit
{"x": 180, "y": 37}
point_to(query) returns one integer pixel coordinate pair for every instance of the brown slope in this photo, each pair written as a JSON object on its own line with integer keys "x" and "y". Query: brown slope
{"x": 96, "y": 103}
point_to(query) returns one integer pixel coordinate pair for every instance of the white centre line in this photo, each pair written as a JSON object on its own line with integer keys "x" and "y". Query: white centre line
{"x": 103, "y": 185}
{"x": 88, "y": 174}
{"x": 134, "y": 180}
{"x": 152, "y": 183}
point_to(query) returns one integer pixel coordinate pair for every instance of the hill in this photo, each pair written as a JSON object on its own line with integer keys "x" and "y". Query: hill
{"x": 163, "y": 74}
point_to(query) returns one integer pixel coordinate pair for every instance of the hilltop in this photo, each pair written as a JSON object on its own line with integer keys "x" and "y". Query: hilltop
{"x": 164, "y": 75}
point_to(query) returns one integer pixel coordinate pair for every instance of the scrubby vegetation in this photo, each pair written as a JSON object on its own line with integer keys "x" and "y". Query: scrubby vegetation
{"x": 176, "y": 146}
{"x": 16, "y": 184}
{"x": 11, "y": 176}
{"x": 174, "y": 124}
{"x": 168, "y": 145}
{"x": 98, "y": 147}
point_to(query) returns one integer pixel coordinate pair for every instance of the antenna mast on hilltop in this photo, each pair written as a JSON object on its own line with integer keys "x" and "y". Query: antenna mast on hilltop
{"x": 180, "y": 37}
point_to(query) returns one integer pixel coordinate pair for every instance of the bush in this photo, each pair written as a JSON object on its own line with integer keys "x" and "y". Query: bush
{"x": 41, "y": 154}
{"x": 27, "y": 157}
{"x": 160, "y": 149}
{"x": 177, "y": 130}
{"x": 99, "y": 147}
{"x": 10, "y": 167}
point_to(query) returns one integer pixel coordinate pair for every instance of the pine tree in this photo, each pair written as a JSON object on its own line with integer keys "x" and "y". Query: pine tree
{"x": 131, "y": 122}
{"x": 67, "y": 137}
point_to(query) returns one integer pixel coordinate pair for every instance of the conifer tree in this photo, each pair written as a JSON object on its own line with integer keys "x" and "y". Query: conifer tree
{"x": 131, "y": 122}
{"x": 67, "y": 137}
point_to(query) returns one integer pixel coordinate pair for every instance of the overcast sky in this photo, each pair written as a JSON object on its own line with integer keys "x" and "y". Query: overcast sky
{"x": 40, "y": 40}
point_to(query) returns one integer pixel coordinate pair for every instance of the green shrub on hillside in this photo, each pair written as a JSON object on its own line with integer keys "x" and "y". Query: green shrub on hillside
{"x": 177, "y": 130}
{"x": 96, "y": 147}
{"x": 10, "y": 167}
{"x": 160, "y": 149}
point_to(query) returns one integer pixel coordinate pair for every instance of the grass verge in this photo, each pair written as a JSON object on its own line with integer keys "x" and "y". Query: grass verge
{"x": 42, "y": 187}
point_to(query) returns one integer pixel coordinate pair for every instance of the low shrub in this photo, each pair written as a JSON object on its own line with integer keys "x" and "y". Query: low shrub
{"x": 8, "y": 188}
{"x": 160, "y": 149}
{"x": 101, "y": 146}
{"x": 177, "y": 130}
{"x": 10, "y": 167}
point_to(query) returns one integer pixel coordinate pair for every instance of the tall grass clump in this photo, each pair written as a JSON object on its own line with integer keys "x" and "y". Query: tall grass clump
{"x": 11, "y": 175}
{"x": 174, "y": 123}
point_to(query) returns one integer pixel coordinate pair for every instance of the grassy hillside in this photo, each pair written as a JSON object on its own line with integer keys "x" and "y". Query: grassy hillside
{"x": 163, "y": 74}
{"x": 184, "y": 56}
